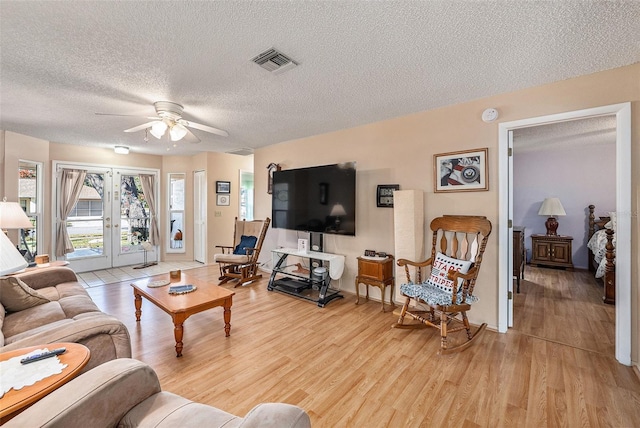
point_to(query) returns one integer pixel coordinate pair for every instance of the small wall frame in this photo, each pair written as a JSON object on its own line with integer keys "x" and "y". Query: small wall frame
{"x": 384, "y": 195}
{"x": 223, "y": 187}
{"x": 223, "y": 200}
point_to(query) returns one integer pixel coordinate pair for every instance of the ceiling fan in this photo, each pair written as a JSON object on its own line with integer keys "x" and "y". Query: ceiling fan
{"x": 169, "y": 118}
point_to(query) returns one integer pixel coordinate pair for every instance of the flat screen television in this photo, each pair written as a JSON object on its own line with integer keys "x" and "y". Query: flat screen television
{"x": 316, "y": 199}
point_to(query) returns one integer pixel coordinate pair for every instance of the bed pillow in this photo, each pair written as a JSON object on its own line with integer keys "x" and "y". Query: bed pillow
{"x": 245, "y": 242}
{"x": 441, "y": 266}
{"x": 17, "y": 296}
{"x": 613, "y": 223}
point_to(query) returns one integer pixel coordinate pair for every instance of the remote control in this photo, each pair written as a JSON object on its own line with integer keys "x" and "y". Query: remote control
{"x": 43, "y": 355}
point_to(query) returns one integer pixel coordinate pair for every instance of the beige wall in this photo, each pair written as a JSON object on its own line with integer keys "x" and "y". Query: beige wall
{"x": 218, "y": 167}
{"x": 400, "y": 151}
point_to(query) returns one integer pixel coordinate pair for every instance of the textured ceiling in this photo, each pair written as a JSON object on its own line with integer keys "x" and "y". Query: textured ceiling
{"x": 572, "y": 134}
{"x": 359, "y": 62}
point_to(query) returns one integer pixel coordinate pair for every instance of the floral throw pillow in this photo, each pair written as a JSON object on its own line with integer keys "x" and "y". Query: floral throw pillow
{"x": 440, "y": 268}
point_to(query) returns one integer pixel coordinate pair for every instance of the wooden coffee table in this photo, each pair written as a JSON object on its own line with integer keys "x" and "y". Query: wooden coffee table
{"x": 182, "y": 306}
{"x": 14, "y": 401}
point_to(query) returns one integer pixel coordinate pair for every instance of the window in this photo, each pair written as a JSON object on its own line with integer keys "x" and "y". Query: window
{"x": 29, "y": 197}
{"x": 176, "y": 212}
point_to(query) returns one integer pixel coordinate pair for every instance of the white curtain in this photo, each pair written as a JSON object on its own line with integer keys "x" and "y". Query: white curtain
{"x": 69, "y": 192}
{"x": 148, "y": 187}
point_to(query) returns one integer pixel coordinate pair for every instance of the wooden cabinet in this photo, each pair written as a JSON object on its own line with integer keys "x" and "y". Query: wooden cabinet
{"x": 519, "y": 255}
{"x": 377, "y": 272}
{"x": 549, "y": 250}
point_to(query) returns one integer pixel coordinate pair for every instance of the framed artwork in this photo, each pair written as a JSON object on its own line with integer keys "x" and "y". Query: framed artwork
{"x": 223, "y": 187}
{"x": 223, "y": 200}
{"x": 384, "y": 195}
{"x": 464, "y": 171}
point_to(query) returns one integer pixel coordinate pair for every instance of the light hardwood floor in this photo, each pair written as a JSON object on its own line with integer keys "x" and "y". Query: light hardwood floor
{"x": 347, "y": 367}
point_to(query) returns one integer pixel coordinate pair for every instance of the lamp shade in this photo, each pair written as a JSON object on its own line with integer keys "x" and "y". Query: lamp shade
{"x": 552, "y": 207}
{"x": 12, "y": 216}
{"x": 10, "y": 258}
{"x": 177, "y": 132}
{"x": 337, "y": 210}
{"x": 158, "y": 129}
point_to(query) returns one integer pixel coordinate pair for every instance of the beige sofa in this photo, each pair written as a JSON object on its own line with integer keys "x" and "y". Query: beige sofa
{"x": 126, "y": 393}
{"x": 54, "y": 307}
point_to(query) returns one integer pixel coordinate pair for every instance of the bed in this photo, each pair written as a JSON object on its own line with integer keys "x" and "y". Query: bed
{"x": 601, "y": 242}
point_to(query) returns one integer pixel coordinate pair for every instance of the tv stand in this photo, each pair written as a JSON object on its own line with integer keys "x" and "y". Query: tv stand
{"x": 289, "y": 279}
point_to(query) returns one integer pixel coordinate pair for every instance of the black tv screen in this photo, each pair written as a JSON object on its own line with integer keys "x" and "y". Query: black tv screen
{"x": 316, "y": 199}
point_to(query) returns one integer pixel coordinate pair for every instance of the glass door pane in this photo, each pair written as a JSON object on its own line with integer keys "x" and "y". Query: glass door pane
{"x": 89, "y": 225}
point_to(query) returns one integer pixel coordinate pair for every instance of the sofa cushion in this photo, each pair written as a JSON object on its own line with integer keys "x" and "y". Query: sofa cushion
{"x": 165, "y": 409}
{"x": 32, "y": 318}
{"x": 16, "y": 296}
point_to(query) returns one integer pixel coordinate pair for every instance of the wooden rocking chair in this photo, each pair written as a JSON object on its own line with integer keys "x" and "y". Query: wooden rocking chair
{"x": 241, "y": 260}
{"x": 456, "y": 254}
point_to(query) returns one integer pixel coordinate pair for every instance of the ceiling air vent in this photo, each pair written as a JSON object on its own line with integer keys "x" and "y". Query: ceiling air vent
{"x": 274, "y": 61}
{"x": 246, "y": 151}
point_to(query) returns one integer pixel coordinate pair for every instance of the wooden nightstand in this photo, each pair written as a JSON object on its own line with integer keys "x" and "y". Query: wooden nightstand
{"x": 550, "y": 250}
{"x": 377, "y": 272}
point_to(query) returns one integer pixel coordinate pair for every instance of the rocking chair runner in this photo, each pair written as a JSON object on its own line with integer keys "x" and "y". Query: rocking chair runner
{"x": 241, "y": 260}
{"x": 456, "y": 255}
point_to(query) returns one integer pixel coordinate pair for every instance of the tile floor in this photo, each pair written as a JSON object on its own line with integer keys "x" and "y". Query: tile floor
{"x": 108, "y": 276}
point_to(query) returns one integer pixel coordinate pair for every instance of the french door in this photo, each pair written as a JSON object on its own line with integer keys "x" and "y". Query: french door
{"x": 110, "y": 220}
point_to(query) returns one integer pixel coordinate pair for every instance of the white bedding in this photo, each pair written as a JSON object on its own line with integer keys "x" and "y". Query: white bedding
{"x": 597, "y": 245}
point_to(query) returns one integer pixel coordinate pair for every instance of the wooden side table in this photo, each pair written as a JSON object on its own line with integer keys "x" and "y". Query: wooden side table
{"x": 551, "y": 250}
{"x": 13, "y": 402}
{"x": 377, "y": 272}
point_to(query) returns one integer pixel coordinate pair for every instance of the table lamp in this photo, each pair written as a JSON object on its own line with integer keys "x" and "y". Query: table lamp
{"x": 12, "y": 216}
{"x": 551, "y": 207}
{"x": 10, "y": 258}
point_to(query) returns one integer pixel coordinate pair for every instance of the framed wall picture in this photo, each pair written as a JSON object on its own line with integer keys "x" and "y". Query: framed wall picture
{"x": 223, "y": 200}
{"x": 223, "y": 187}
{"x": 464, "y": 171}
{"x": 384, "y": 195}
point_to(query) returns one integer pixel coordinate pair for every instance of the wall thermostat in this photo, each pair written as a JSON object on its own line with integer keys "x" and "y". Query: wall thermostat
{"x": 489, "y": 115}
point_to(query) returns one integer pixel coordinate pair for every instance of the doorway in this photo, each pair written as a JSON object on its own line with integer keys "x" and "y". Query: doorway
{"x": 110, "y": 219}
{"x": 623, "y": 205}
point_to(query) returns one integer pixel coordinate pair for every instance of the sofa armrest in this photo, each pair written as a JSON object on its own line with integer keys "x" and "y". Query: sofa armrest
{"x": 106, "y": 337}
{"x": 279, "y": 415}
{"x": 98, "y": 398}
{"x": 47, "y": 277}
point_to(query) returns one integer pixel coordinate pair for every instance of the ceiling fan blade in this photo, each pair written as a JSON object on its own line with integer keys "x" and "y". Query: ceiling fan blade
{"x": 140, "y": 127}
{"x": 129, "y": 115}
{"x": 191, "y": 137}
{"x": 205, "y": 128}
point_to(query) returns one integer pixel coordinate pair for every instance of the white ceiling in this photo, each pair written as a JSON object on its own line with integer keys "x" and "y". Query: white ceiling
{"x": 359, "y": 62}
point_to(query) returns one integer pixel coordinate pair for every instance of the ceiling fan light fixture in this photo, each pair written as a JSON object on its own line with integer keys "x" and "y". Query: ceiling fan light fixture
{"x": 121, "y": 150}
{"x": 177, "y": 132}
{"x": 158, "y": 129}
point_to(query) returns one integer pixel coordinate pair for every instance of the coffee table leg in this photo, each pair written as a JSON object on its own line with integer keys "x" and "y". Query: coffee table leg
{"x": 138, "y": 303}
{"x": 178, "y": 330}
{"x": 227, "y": 317}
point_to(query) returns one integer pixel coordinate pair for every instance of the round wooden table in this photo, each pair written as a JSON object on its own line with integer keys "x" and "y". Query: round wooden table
{"x": 13, "y": 402}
